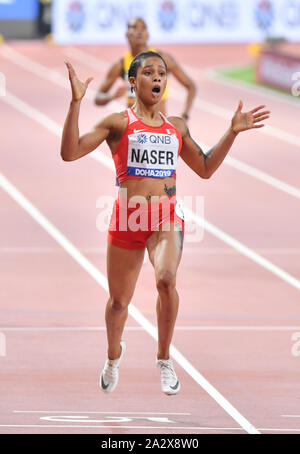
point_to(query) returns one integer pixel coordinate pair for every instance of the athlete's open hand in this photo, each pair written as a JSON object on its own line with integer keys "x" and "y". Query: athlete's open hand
{"x": 78, "y": 88}
{"x": 242, "y": 121}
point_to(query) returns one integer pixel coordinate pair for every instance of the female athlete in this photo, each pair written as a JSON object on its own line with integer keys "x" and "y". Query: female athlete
{"x": 145, "y": 147}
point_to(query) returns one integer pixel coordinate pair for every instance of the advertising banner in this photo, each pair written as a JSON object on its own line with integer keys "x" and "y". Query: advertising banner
{"x": 278, "y": 70}
{"x": 176, "y": 21}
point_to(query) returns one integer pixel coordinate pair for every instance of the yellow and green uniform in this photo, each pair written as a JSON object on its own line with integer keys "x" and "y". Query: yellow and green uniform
{"x": 127, "y": 60}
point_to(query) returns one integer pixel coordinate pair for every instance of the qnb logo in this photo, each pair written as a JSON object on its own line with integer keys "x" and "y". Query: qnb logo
{"x": 75, "y": 16}
{"x": 296, "y": 86}
{"x": 2, "y": 344}
{"x": 223, "y": 14}
{"x": 264, "y": 14}
{"x": 296, "y": 346}
{"x": 167, "y": 15}
{"x": 2, "y": 85}
{"x": 142, "y": 138}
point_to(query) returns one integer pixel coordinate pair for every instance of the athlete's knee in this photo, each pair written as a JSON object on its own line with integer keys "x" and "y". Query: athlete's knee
{"x": 119, "y": 304}
{"x": 165, "y": 282}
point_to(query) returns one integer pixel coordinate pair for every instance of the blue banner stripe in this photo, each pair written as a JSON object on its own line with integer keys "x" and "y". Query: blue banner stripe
{"x": 19, "y": 10}
{"x": 155, "y": 173}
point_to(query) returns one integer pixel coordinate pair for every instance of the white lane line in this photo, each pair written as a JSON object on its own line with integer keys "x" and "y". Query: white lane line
{"x": 30, "y": 329}
{"x": 55, "y": 77}
{"x": 260, "y": 175}
{"x": 102, "y": 412}
{"x": 218, "y": 233}
{"x": 213, "y": 74}
{"x": 238, "y": 328}
{"x": 108, "y": 163}
{"x": 290, "y": 416}
{"x": 280, "y": 430}
{"x": 227, "y": 114}
{"x": 188, "y": 250}
{"x": 117, "y": 426}
{"x": 133, "y": 311}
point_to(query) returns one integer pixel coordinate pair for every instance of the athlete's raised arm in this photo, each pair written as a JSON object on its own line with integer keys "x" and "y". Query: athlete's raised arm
{"x": 177, "y": 71}
{"x": 72, "y": 146}
{"x": 205, "y": 164}
{"x": 103, "y": 95}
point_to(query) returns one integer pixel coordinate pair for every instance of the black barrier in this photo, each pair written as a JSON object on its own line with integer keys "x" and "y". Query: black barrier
{"x": 45, "y": 17}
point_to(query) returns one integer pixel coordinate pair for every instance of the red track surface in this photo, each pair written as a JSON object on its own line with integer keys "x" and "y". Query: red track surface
{"x": 236, "y": 318}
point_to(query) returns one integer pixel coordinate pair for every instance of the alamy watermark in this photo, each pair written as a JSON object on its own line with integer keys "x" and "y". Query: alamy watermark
{"x": 2, "y": 344}
{"x": 296, "y": 345}
{"x": 296, "y": 86}
{"x": 2, "y": 84}
{"x": 140, "y": 214}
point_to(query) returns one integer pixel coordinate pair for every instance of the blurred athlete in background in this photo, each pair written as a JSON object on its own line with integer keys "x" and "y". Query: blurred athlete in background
{"x": 137, "y": 36}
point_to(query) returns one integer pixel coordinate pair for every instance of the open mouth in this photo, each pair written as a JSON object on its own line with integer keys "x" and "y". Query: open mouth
{"x": 156, "y": 90}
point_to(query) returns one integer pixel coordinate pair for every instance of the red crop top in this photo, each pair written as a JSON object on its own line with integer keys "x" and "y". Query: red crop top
{"x": 147, "y": 151}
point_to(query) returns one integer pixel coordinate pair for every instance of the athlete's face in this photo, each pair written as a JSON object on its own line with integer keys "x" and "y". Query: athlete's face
{"x": 151, "y": 80}
{"x": 137, "y": 33}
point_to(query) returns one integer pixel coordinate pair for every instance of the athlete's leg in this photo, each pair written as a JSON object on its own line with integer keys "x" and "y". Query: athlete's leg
{"x": 123, "y": 267}
{"x": 165, "y": 250}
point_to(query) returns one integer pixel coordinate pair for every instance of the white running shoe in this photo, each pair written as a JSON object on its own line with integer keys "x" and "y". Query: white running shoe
{"x": 169, "y": 381}
{"x": 110, "y": 373}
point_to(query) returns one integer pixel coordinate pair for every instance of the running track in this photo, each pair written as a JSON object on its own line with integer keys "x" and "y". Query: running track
{"x": 235, "y": 344}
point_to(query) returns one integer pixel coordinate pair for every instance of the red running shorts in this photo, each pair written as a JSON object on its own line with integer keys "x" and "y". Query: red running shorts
{"x": 133, "y": 222}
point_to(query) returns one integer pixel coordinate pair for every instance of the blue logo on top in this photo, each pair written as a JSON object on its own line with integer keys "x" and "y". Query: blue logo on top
{"x": 142, "y": 138}
{"x": 75, "y": 15}
{"x": 167, "y": 15}
{"x": 264, "y": 14}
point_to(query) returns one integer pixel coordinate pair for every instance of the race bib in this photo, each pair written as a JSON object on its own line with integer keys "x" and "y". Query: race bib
{"x": 152, "y": 154}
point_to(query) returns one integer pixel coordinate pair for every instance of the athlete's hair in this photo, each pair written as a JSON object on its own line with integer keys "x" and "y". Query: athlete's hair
{"x": 137, "y": 61}
{"x": 135, "y": 19}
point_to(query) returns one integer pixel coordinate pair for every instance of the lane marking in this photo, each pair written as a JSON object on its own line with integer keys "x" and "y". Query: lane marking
{"x": 103, "y": 412}
{"x": 188, "y": 250}
{"x": 280, "y": 430}
{"x": 76, "y": 426}
{"x": 133, "y": 311}
{"x": 213, "y": 75}
{"x": 108, "y": 163}
{"x": 290, "y": 416}
{"x": 260, "y": 175}
{"x": 107, "y": 419}
{"x": 2, "y": 344}
{"x": 260, "y": 260}
{"x": 227, "y": 114}
{"x": 139, "y": 328}
{"x": 57, "y": 78}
